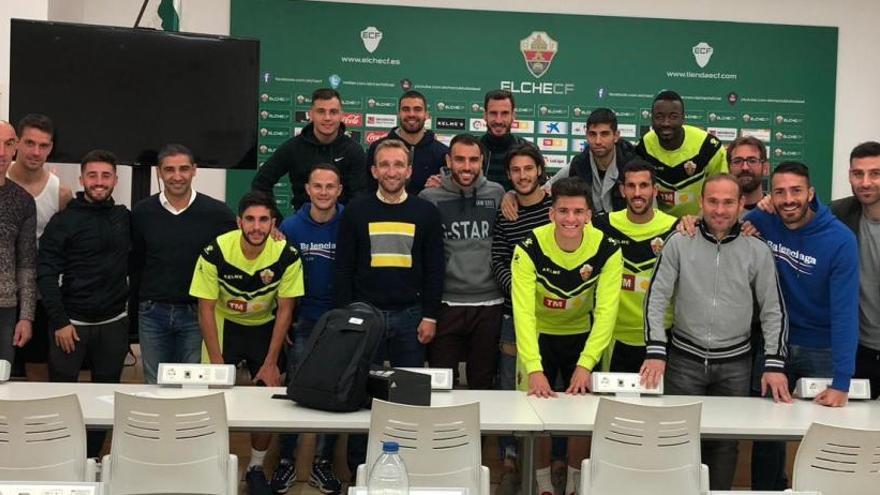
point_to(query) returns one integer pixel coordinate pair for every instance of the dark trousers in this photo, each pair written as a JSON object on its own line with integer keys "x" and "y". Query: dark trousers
{"x": 686, "y": 375}
{"x": 627, "y": 358}
{"x": 468, "y": 334}
{"x": 868, "y": 366}
{"x": 104, "y": 347}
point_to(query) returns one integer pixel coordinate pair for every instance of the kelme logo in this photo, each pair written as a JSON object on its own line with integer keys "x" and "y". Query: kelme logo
{"x": 538, "y": 49}
{"x": 702, "y": 53}
{"x": 371, "y": 38}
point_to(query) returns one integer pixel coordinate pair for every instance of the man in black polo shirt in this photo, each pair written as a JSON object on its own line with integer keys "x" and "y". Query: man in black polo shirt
{"x": 169, "y": 230}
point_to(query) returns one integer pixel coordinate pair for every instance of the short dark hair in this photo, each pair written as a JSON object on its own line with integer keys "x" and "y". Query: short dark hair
{"x": 325, "y": 94}
{"x": 721, "y": 178}
{"x": 325, "y": 166}
{"x": 529, "y": 150}
{"x": 257, "y": 198}
{"x": 572, "y": 187}
{"x": 796, "y": 168}
{"x": 467, "y": 140}
{"x": 37, "y": 121}
{"x": 174, "y": 149}
{"x": 602, "y": 116}
{"x": 499, "y": 94}
{"x": 865, "y": 150}
{"x": 412, "y": 94}
{"x": 638, "y": 165}
{"x": 747, "y": 141}
{"x": 98, "y": 156}
{"x": 668, "y": 95}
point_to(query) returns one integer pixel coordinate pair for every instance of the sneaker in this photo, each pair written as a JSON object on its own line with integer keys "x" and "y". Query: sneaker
{"x": 284, "y": 476}
{"x": 323, "y": 478}
{"x": 256, "y": 481}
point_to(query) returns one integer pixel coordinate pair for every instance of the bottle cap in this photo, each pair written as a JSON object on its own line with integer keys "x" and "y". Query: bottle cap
{"x": 390, "y": 447}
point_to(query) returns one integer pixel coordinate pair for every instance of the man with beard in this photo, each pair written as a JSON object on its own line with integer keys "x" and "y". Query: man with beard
{"x": 683, "y": 156}
{"x": 640, "y": 230}
{"x": 469, "y": 323}
{"x": 323, "y": 140}
{"x": 499, "y": 113}
{"x": 747, "y": 159}
{"x": 37, "y": 134}
{"x": 861, "y": 213}
{"x": 246, "y": 282}
{"x": 818, "y": 262}
{"x": 427, "y": 153}
{"x": 708, "y": 350}
{"x": 18, "y": 218}
{"x": 82, "y": 274}
{"x": 525, "y": 169}
{"x": 390, "y": 254}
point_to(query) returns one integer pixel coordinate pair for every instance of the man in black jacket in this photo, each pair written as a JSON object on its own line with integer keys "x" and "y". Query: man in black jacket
{"x": 861, "y": 213}
{"x": 499, "y": 112}
{"x": 428, "y": 154}
{"x": 82, "y": 275}
{"x": 323, "y": 140}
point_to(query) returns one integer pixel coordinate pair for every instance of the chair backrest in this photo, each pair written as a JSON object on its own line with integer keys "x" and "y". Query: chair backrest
{"x": 639, "y": 449}
{"x": 178, "y": 445}
{"x": 42, "y": 440}
{"x": 440, "y": 446}
{"x": 836, "y": 460}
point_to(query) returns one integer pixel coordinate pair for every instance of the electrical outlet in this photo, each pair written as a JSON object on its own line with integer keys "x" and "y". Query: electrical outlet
{"x": 197, "y": 375}
{"x": 441, "y": 378}
{"x": 808, "y": 388}
{"x": 622, "y": 383}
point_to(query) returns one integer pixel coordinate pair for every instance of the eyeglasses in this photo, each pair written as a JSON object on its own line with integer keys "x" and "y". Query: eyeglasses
{"x": 750, "y": 161}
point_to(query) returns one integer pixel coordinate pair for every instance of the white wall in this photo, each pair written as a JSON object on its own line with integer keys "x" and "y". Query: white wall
{"x": 858, "y": 98}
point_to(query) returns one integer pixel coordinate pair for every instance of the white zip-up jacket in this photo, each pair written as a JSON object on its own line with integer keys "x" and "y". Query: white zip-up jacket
{"x": 714, "y": 284}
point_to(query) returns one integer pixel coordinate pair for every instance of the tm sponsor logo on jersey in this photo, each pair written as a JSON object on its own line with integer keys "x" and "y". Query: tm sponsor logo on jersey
{"x": 553, "y": 127}
{"x": 553, "y": 144}
{"x": 802, "y": 262}
{"x": 448, "y": 123}
{"x": 552, "y": 303}
{"x": 381, "y": 120}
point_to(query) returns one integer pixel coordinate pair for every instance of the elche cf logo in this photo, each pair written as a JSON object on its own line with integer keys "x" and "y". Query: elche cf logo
{"x": 538, "y": 49}
{"x": 371, "y": 38}
{"x": 702, "y": 53}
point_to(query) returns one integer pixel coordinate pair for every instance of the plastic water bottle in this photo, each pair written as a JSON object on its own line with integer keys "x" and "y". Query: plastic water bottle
{"x": 388, "y": 476}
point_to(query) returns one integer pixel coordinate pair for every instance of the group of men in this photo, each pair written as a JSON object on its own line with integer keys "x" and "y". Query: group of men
{"x": 665, "y": 258}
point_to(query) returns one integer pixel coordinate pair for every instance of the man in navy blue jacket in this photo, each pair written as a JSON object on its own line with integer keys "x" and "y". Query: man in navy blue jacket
{"x": 817, "y": 259}
{"x": 313, "y": 229}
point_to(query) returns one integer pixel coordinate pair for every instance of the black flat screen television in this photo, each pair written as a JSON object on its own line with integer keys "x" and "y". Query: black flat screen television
{"x": 131, "y": 91}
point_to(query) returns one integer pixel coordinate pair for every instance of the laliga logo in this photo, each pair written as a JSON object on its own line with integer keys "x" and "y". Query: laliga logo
{"x": 371, "y": 38}
{"x": 702, "y": 53}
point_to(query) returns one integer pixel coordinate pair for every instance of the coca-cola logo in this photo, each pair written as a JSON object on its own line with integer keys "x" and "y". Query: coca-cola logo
{"x": 353, "y": 119}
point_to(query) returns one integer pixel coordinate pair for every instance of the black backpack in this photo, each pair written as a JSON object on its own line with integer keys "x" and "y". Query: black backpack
{"x": 332, "y": 375}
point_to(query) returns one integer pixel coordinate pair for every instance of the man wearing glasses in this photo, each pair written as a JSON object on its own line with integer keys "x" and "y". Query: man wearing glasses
{"x": 747, "y": 159}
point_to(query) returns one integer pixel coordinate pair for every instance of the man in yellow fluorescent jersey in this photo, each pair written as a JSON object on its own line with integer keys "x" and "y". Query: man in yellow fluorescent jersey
{"x": 246, "y": 283}
{"x": 682, "y": 156}
{"x": 565, "y": 289}
{"x": 640, "y": 231}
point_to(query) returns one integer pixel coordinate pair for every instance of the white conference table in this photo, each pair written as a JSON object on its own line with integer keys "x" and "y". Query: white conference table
{"x": 747, "y": 418}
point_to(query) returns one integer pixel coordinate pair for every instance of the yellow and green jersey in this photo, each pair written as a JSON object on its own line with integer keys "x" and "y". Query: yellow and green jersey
{"x": 681, "y": 172}
{"x": 555, "y": 292}
{"x": 640, "y": 243}
{"x": 246, "y": 290}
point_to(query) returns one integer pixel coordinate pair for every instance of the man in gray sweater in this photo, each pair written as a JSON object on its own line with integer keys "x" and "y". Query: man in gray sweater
{"x": 18, "y": 254}
{"x": 715, "y": 278}
{"x": 469, "y": 324}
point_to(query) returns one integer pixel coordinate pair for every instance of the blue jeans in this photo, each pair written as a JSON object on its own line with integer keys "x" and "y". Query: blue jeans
{"x": 302, "y": 329}
{"x": 768, "y": 458}
{"x": 507, "y": 379}
{"x": 401, "y": 347}
{"x": 731, "y": 378}
{"x": 169, "y": 333}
